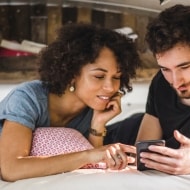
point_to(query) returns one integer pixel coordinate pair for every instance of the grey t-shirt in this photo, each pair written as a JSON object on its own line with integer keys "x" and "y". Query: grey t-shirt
{"x": 27, "y": 104}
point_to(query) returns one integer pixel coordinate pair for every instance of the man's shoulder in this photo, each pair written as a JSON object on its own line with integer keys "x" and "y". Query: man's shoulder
{"x": 159, "y": 79}
{"x": 160, "y": 84}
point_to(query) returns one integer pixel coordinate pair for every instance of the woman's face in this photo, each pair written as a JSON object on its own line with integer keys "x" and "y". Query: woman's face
{"x": 98, "y": 82}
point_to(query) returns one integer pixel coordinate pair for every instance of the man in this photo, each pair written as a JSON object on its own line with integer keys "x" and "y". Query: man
{"x": 168, "y": 105}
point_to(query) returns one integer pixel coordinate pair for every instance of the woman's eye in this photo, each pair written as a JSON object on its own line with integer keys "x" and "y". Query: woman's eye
{"x": 99, "y": 77}
{"x": 117, "y": 78}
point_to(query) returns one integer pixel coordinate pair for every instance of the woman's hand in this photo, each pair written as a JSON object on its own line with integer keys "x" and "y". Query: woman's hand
{"x": 112, "y": 109}
{"x": 168, "y": 160}
{"x": 114, "y": 155}
{"x": 100, "y": 118}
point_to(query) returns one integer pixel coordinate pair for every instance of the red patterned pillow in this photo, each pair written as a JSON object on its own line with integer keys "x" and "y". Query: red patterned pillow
{"x": 49, "y": 141}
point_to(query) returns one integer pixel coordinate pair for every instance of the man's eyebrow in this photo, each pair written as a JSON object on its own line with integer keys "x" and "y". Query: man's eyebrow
{"x": 161, "y": 67}
{"x": 184, "y": 64}
{"x": 180, "y": 65}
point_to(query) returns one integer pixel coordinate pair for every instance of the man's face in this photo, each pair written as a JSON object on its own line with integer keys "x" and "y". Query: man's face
{"x": 175, "y": 66}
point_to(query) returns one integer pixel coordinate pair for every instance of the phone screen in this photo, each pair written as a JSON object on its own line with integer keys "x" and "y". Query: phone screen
{"x": 142, "y": 146}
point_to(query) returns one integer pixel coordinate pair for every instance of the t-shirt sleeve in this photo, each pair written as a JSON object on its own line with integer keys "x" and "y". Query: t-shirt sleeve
{"x": 20, "y": 107}
{"x": 151, "y": 104}
{"x": 150, "y": 108}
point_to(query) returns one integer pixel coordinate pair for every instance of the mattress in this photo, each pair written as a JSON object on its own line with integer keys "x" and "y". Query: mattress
{"x": 99, "y": 179}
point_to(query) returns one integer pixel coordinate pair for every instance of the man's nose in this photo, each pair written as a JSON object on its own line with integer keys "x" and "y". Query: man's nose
{"x": 177, "y": 79}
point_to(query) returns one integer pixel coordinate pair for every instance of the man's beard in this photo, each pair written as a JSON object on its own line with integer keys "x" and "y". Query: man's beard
{"x": 184, "y": 94}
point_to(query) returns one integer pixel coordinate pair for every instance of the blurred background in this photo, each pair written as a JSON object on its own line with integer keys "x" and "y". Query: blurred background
{"x": 26, "y": 26}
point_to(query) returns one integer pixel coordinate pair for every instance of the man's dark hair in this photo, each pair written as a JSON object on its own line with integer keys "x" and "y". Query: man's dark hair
{"x": 172, "y": 26}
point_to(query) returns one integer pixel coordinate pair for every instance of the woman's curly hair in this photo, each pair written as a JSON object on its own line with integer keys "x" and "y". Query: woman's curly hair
{"x": 79, "y": 44}
{"x": 171, "y": 27}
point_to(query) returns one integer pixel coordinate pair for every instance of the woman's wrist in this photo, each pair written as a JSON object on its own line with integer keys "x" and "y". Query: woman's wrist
{"x": 98, "y": 133}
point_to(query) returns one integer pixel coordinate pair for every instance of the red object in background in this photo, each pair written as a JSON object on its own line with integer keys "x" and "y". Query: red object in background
{"x": 4, "y": 52}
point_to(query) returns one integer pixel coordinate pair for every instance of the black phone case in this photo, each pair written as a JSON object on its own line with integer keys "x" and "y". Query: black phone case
{"x": 142, "y": 146}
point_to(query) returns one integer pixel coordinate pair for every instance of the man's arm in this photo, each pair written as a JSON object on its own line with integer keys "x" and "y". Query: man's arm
{"x": 149, "y": 129}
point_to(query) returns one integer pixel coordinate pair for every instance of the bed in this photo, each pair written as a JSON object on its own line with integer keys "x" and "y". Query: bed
{"x": 99, "y": 179}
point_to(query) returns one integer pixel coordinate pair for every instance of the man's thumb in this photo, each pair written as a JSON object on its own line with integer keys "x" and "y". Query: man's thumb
{"x": 183, "y": 140}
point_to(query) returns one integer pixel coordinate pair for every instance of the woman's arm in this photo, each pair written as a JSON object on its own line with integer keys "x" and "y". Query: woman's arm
{"x": 100, "y": 118}
{"x": 16, "y": 163}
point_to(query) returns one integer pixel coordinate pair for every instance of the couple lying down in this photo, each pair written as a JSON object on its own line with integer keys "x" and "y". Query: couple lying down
{"x": 83, "y": 75}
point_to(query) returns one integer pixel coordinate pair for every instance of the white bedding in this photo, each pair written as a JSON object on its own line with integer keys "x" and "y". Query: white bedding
{"x": 98, "y": 179}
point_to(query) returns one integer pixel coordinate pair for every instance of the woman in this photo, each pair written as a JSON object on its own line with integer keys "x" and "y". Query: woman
{"x": 82, "y": 74}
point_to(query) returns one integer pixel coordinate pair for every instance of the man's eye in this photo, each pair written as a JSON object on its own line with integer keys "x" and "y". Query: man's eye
{"x": 164, "y": 69}
{"x": 185, "y": 67}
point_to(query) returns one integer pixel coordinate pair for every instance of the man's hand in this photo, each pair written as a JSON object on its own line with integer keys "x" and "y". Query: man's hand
{"x": 168, "y": 160}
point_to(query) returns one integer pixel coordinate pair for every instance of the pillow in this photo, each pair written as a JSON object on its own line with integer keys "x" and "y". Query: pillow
{"x": 49, "y": 141}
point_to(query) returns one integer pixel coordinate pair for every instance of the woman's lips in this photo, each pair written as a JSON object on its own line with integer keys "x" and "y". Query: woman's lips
{"x": 105, "y": 98}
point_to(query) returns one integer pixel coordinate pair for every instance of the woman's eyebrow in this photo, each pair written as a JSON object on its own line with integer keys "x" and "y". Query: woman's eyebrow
{"x": 103, "y": 70}
{"x": 99, "y": 69}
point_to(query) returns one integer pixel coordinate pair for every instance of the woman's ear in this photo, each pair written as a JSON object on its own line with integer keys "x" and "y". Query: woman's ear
{"x": 72, "y": 85}
{"x": 72, "y": 81}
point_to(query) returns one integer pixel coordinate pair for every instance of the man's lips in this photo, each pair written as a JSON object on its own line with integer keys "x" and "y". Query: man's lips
{"x": 182, "y": 88}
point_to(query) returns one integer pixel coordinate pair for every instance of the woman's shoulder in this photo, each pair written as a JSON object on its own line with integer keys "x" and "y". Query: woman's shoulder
{"x": 34, "y": 84}
{"x": 34, "y": 87}
{"x": 29, "y": 90}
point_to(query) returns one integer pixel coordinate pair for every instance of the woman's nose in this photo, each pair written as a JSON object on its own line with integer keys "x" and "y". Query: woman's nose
{"x": 109, "y": 86}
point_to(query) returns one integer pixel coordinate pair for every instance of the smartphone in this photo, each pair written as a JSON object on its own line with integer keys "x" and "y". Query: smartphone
{"x": 142, "y": 146}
